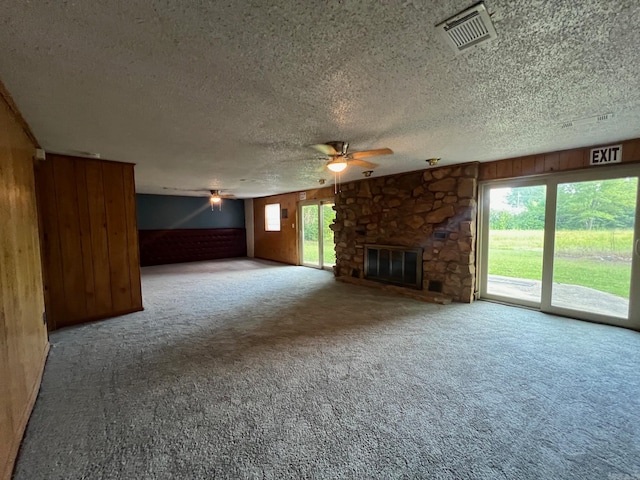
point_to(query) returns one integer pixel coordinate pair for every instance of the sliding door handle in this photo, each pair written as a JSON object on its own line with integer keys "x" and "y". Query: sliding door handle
{"x": 637, "y": 247}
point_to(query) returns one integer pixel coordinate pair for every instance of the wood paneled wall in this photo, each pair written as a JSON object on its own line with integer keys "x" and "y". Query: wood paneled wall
{"x": 282, "y": 246}
{"x": 574, "y": 159}
{"x": 23, "y": 335}
{"x": 89, "y": 239}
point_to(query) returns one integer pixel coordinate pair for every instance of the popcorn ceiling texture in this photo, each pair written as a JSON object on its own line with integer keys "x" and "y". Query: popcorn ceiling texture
{"x": 406, "y": 210}
{"x": 230, "y": 94}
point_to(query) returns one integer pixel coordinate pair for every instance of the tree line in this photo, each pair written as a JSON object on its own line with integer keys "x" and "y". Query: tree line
{"x": 593, "y": 205}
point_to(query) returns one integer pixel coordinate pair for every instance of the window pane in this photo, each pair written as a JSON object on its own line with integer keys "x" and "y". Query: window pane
{"x": 272, "y": 217}
{"x": 595, "y": 221}
{"x": 516, "y": 237}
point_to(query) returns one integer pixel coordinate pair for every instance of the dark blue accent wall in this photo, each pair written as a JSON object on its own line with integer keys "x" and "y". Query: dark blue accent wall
{"x": 162, "y": 212}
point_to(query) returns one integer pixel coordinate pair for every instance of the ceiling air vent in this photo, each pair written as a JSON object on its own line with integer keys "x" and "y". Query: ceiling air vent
{"x": 587, "y": 121}
{"x": 468, "y": 28}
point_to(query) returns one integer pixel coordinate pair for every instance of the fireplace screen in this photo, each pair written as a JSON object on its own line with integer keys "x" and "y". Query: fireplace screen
{"x": 395, "y": 265}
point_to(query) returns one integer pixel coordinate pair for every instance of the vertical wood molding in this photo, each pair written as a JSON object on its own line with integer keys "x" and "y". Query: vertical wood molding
{"x": 90, "y": 240}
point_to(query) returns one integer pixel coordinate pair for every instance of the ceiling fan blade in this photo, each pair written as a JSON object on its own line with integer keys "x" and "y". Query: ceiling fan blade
{"x": 326, "y": 149}
{"x": 371, "y": 153}
{"x": 362, "y": 163}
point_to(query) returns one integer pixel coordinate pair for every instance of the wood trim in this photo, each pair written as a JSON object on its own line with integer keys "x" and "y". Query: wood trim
{"x": 11, "y": 104}
{"x": 559, "y": 161}
{"x": 14, "y": 447}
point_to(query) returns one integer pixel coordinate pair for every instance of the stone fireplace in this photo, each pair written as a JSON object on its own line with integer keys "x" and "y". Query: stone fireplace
{"x": 432, "y": 210}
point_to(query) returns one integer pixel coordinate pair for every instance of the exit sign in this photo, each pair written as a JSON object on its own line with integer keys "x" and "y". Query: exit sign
{"x": 602, "y": 155}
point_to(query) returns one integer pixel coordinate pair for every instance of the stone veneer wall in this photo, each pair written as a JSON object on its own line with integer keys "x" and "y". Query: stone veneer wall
{"x": 406, "y": 210}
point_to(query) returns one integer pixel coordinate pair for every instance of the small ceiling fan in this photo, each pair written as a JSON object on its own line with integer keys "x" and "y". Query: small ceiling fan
{"x": 340, "y": 158}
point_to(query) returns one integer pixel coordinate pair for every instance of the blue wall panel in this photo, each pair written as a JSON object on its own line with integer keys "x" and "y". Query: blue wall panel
{"x": 160, "y": 212}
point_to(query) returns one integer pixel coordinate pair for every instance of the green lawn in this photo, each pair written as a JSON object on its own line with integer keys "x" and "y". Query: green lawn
{"x": 594, "y": 259}
{"x": 311, "y": 251}
{"x": 595, "y": 242}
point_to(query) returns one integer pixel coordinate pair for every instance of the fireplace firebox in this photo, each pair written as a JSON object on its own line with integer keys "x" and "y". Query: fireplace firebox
{"x": 394, "y": 264}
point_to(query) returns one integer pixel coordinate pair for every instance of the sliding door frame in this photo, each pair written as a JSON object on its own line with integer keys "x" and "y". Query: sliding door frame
{"x": 321, "y": 246}
{"x": 483, "y": 238}
{"x": 551, "y": 181}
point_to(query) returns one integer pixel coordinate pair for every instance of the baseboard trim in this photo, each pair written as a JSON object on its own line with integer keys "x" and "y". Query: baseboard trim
{"x": 24, "y": 419}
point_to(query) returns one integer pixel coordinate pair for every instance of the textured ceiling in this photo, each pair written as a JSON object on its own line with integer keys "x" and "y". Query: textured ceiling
{"x": 211, "y": 94}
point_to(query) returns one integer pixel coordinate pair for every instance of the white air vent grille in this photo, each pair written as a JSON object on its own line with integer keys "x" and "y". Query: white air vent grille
{"x": 467, "y": 29}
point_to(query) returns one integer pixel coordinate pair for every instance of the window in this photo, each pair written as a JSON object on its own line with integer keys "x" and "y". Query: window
{"x": 272, "y": 217}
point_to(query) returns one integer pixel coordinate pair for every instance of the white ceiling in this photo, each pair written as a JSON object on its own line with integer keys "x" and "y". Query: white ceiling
{"x": 212, "y": 94}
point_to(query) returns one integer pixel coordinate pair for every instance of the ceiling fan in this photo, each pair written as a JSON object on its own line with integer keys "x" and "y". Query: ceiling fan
{"x": 340, "y": 157}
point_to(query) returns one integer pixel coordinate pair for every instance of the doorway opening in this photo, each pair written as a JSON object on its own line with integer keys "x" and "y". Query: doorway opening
{"x": 317, "y": 247}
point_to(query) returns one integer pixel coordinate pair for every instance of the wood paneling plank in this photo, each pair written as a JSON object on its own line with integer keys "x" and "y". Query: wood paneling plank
{"x": 504, "y": 169}
{"x": 84, "y": 221}
{"x": 576, "y": 158}
{"x": 51, "y": 251}
{"x": 517, "y": 167}
{"x": 99, "y": 238}
{"x": 631, "y": 151}
{"x": 117, "y": 236}
{"x": 488, "y": 171}
{"x": 528, "y": 165}
{"x": 132, "y": 237}
{"x": 74, "y": 308}
{"x": 552, "y": 162}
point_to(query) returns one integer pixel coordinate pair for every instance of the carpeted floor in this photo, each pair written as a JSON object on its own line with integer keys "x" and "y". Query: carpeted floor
{"x": 249, "y": 369}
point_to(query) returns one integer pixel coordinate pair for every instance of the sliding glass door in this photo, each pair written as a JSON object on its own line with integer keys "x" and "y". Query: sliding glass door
{"x": 593, "y": 241}
{"x": 567, "y": 244}
{"x": 316, "y": 237}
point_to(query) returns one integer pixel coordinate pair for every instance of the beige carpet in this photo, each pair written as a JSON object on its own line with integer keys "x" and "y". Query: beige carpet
{"x": 249, "y": 369}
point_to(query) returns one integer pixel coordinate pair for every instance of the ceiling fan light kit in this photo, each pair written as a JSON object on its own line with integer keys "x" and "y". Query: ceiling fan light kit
{"x": 337, "y": 165}
{"x": 340, "y": 157}
{"x": 215, "y": 199}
